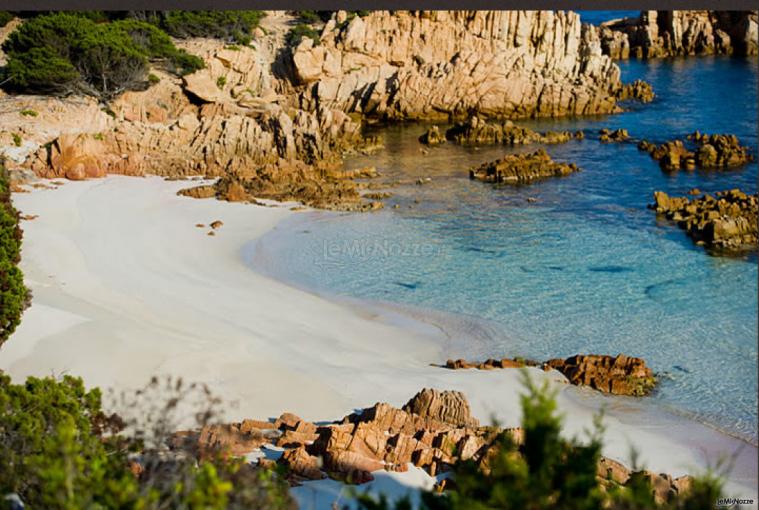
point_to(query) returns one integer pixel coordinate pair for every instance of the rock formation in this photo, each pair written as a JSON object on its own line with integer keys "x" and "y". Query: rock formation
{"x": 724, "y": 224}
{"x": 438, "y": 64}
{"x": 433, "y": 431}
{"x": 709, "y": 152}
{"x": 638, "y": 90}
{"x": 616, "y": 135}
{"x": 618, "y": 375}
{"x": 477, "y": 131}
{"x": 522, "y": 168}
{"x": 432, "y": 137}
{"x": 656, "y": 34}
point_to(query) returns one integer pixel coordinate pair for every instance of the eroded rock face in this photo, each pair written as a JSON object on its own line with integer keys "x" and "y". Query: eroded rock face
{"x": 638, "y": 90}
{"x": 656, "y": 34}
{"x": 436, "y": 64}
{"x": 619, "y": 375}
{"x": 522, "y": 168}
{"x": 432, "y": 136}
{"x": 708, "y": 152}
{"x": 724, "y": 224}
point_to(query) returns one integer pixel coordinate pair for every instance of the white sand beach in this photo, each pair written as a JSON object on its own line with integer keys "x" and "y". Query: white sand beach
{"x": 125, "y": 286}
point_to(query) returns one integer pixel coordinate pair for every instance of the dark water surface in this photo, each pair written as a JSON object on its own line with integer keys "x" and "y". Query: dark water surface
{"x": 586, "y": 268}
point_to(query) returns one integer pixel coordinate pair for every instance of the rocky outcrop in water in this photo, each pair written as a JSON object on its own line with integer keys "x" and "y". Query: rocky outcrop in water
{"x": 477, "y": 131}
{"x": 656, "y": 34}
{"x": 432, "y": 136}
{"x": 522, "y": 168}
{"x": 638, "y": 90}
{"x": 618, "y": 375}
{"x": 438, "y": 64}
{"x": 616, "y": 135}
{"x": 706, "y": 151}
{"x": 725, "y": 224}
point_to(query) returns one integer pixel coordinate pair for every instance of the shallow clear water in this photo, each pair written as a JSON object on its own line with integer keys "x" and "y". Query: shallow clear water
{"x": 587, "y": 268}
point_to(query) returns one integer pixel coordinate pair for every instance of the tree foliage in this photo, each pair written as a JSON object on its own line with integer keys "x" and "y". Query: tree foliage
{"x": 64, "y": 53}
{"x": 549, "y": 472}
{"x": 232, "y": 26}
{"x": 13, "y": 294}
{"x": 60, "y": 451}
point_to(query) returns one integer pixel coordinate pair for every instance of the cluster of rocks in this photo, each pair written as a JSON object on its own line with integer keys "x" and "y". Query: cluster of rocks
{"x": 725, "y": 224}
{"x": 442, "y": 64}
{"x": 638, "y": 90}
{"x": 522, "y": 168}
{"x": 477, "y": 131}
{"x": 317, "y": 185}
{"x": 434, "y": 431}
{"x": 656, "y": 34}
{"x": 710, "y": 151}
{"x": 617, "y": 375}
{"x": 617, "y": 135}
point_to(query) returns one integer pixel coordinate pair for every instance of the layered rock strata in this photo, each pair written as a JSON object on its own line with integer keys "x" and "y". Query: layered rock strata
{"x": 441, "y": 64}
{"x": 656, "y": 34}
{"x": 724, "y": 224}
{"x": 522, "y": 168}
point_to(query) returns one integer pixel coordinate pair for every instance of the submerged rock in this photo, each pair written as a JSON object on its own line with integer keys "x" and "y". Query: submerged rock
{"x": 726, "y": 224}
{"x": 522, "y": 168}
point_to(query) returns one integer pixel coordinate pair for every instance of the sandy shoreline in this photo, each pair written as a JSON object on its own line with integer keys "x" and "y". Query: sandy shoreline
{"x": 126, "y": 287}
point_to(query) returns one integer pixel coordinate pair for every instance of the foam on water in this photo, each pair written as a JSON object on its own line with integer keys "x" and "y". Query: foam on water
{"x": 585, "y": 269}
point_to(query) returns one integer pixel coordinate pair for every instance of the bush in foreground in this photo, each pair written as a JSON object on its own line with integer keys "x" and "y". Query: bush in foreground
{"x": 13, "y": 294}
{"x": 64, "y": 54}
{"x": 549, "y": 472}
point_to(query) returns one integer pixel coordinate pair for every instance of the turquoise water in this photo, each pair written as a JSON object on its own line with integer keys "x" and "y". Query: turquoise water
{"x": 587, "y": 268}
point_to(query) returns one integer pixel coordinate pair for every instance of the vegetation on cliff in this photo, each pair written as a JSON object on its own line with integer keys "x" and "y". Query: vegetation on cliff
{"x": 234, "y": 26}
{"x": 63, "y": 53}
{"x": 13, "y": 294}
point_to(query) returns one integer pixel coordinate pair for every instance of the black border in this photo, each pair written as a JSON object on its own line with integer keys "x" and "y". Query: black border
{"x": 116, "y": 5}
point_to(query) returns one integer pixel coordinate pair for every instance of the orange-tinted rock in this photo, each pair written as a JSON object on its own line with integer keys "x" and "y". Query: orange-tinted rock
{"x": 299, "y": 462}
{"x": 620, "y": 375}
{"x": 449, "y": 407}
{"x": 228, "y": 440}
{"x": 522, "y": 168}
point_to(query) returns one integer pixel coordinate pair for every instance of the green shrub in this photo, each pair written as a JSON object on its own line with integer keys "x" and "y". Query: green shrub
{"x": 221, "y": 81}
{"x": 65, "y": 53}
{"x": 233, "y": 26}
{"x": 153, "y": 79}
{"x": 5, "y": 18}
{"x": 299, "y": 31}
{"x": 59, "y": 450}
{"x": 16, "y": 139}
{"x": 14, "y": 297}
{"x": 29, "y": 113}
{"x": 548, "y": 472}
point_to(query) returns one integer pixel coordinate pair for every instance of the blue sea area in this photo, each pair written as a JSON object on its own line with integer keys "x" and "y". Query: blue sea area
{"x": 585, "y": 267}
{"x": 598, "y": 17}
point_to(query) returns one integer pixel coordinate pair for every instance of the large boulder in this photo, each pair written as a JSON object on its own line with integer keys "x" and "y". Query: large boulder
{"x": 619, "y": 375}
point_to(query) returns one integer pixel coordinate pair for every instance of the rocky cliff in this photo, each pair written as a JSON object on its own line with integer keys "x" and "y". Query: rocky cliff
{"x": 435, "y": 64}
{"x": 681, "y": 33}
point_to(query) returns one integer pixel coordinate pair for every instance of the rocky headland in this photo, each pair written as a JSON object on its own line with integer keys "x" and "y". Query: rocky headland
{"x": 724, "y": 224}
{"x": 522, "y": 168}
{"x": 617, "y": 375}
{"x": 434, "y": 430}
{"x": 442, "y": 64}
{"x": 699, "y": 151}
{"x": 658, "y": 34}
